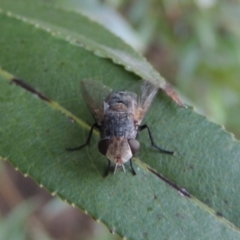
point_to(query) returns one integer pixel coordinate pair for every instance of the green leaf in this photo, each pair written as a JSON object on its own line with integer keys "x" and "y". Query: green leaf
{"x": 63, "y": 24}
{"x": 34, "y": 133}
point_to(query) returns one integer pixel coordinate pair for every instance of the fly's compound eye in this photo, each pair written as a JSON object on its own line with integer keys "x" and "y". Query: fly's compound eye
{"x": 103, "y": 146}
{"x": 134, "y": 145}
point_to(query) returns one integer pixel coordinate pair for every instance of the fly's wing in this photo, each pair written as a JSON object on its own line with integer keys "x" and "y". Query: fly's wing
{"x": 94, "y": 94}
{"x": 145, "y": 95}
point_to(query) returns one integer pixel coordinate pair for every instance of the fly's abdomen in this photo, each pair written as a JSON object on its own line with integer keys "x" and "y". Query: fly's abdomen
{"x": 118, "y": 124}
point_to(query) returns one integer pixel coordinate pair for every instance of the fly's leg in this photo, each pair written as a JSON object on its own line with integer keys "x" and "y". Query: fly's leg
{"x": 116, "y": 167}
{"x": 152, "y": 141}
{"x": 88, "y": 139}
{"x": 123, "y": 167}
{"x": 108, "y": 168}
{"x": 133, "y": 171}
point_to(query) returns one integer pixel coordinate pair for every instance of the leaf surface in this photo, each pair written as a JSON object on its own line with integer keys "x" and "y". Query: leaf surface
{"x": 34, "y": 133}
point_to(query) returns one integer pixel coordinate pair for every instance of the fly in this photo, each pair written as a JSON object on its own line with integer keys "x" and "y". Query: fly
{"x": 118, "y": 115}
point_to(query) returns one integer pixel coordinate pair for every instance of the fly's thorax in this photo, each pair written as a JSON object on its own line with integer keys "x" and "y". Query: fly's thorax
{"x": 118, "y": 124}
{"x": 121, "y": 96}
{"x": 118, "y": 107}
{"x": 118, "y": 149}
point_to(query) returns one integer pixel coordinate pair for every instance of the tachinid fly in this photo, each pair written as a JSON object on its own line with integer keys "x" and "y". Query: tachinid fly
{"x": 118, "y": 115}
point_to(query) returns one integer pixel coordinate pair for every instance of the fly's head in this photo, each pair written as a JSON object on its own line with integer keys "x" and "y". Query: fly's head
{"x": 118, "y": 149}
